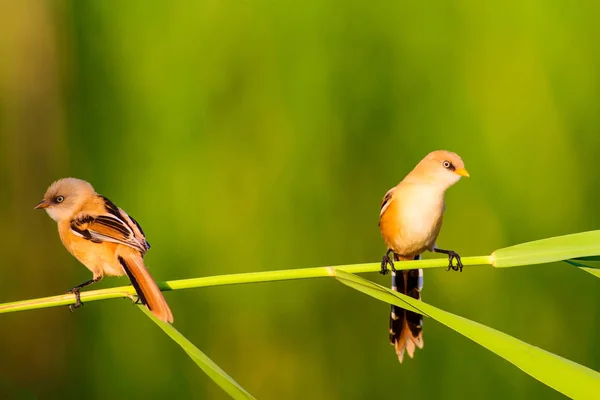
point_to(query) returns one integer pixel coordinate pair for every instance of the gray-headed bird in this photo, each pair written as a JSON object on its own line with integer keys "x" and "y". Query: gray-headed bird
{"x": 410, "y": 221}
{"x": 104, "y": 239}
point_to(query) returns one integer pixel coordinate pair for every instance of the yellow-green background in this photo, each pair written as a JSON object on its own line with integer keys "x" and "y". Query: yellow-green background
{"x": 258, "y": 135}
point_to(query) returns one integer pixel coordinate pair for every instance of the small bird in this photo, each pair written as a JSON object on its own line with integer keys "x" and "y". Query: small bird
{"x": 104, "y": 239}
{"x": 410, "y": 220}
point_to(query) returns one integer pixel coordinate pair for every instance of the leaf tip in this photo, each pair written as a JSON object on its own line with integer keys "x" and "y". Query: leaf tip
{"x": 493, "y": 259}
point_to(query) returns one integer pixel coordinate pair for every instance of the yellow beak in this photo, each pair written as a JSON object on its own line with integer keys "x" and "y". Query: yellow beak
{"x": 462, "y": 172}
{"x": 41, "y": 204}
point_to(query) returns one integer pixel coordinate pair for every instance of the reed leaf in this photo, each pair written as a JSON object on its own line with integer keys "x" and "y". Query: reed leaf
{"x": 583, "y": 246}
{"x": 207, "y": 365}
{"x": 220, "y": 280}
{"x": 558, "y": 248}
{"x": 594, "y": 270}
{"x": 565, "y": 376}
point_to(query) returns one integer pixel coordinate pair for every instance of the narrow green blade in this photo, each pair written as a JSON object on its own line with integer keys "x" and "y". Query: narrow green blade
{"x": 593, "y": 271}
{"x": 587, "y": 268}
{"x": 591, "y": 258}
{"x": 211, "y": 369}
{"x": 569, "y": 378}
{"x": 559, "y": 248}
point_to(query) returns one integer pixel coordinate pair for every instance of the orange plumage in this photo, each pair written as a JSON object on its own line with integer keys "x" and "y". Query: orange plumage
{"x": 410, "y": 220}
{"x": 104, "y": 238}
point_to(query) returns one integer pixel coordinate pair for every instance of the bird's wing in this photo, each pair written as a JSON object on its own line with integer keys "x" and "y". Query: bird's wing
{"x": 107, "y": 228}
{"x": 387, "y": 200}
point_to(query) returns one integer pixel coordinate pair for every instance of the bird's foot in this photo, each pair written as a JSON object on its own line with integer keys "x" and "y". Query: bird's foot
{"x": 459, "y": 265}
{"x": 75, "y": 290}
{"x": 384, "y": 263}
{"x": 78, "y": 302}
{"x": 134, "y": 299}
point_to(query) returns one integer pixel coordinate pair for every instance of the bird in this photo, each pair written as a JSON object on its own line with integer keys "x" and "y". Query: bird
{"x": 410, "y": 220}
{"x": 104, "y": 238}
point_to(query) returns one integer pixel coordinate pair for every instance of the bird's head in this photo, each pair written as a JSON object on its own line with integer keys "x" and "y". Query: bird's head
{"x": 441, "y": 168}
{"x": 65, "y": 197}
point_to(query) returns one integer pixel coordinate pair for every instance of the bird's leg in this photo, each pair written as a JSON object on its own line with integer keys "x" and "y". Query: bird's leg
{"x": 135, "y": 299}
{"x": 451, "y": 255}
{"x": 77, "y": 289}
{"x": 387, "y": 260}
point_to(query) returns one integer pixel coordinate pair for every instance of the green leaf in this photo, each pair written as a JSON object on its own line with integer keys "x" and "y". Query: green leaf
{"x": 230, "y": 279}
{"x": 592, "y": 270}
{"x": 569, "y": 378}
{"x": 211, "y": 369}
{"x": 591, "y": 258}
{"x": 557, "y": 248}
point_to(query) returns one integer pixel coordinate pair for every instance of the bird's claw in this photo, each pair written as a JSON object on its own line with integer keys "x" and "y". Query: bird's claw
{"x": 459, "y": 265}
{"x": 384, "y": 263}
{"x": 134, "y": 299}
{"x": 78, "y": 302}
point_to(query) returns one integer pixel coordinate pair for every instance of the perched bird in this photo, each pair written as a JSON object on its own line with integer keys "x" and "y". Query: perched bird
{"x": 410, "y": 220}
{"x": 104, "y": 239}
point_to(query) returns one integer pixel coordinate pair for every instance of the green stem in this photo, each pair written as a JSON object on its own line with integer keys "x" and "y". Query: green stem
{"x": 231, "y": 279}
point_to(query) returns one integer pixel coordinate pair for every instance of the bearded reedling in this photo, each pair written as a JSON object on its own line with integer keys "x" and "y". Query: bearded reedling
{"x": 104, "y": 239}
{"x": 410, "y": 221}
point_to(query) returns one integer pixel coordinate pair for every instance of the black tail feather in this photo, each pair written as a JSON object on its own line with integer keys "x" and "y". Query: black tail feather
{"x": 134, "y": 281}
{"x": 407, "y": 282}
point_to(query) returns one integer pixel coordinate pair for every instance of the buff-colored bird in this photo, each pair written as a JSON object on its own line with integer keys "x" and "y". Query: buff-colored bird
{"x": 104, "y": 239}
{"x": 410, "y": 220}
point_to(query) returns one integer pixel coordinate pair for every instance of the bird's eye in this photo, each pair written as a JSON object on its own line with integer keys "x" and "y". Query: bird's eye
{"x": 446, "y": 164}
{"x": 60, "y": 199}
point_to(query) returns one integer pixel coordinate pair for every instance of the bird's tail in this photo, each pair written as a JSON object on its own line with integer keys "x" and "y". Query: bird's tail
{"x": 406, "y": 327}
{"x": 145, "y": 287}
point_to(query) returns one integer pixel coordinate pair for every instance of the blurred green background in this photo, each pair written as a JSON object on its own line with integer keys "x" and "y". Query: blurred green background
{"x": 260, "y": 135}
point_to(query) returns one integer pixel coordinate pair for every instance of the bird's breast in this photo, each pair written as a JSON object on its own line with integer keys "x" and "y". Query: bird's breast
{"x": 412, "y": 222}
{"x": 95, "y": 256}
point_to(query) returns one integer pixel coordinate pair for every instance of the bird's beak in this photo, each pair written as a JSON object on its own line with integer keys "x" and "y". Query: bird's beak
{"x": 41, "y": 204}
{"x": 462, "y": 172}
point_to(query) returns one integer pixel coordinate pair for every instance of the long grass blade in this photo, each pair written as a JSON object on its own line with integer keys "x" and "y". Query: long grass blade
{"x": 559, "y": 248}
{"x": 569, "y": 378}
{"x": 594, "y": 270}
{"x": 207, "y": 365}
{"x": 229, "y": 279}
{"x": 579, "y": 246}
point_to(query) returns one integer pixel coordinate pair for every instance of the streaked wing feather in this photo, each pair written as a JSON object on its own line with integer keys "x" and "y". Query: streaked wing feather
{"x": 107, "y": 225}
{"x": 138, "y": 232}
{"x": 387, "y": 200}
{"x": 106, "y": 228}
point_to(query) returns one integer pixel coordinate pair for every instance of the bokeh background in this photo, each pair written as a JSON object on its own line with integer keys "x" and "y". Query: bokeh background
{"x": 261, "y": 135}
